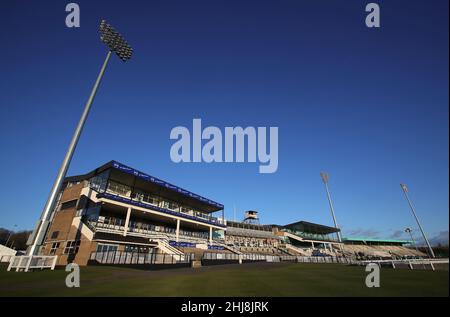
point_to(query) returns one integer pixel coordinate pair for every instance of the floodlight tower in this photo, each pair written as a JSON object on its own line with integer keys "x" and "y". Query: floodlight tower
{"x": 405, "y": 191}
{"x": 325, "y": 181}
{"x": 408, "y": 230}
{"x": 117, "y": 44}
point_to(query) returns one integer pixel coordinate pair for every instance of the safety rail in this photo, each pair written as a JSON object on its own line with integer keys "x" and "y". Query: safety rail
{"x": 27, "y": 262}
{"x": 150, "y": 232}
{"x": 278, "y": 258}
{"x": 410, "y": 263}
{"x": 126, "y": 257}
{"x": 5, "y": 258}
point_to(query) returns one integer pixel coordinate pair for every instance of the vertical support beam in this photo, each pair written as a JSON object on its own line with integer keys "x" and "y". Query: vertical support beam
{"x": 405, "y": 191}
{"x": 210, "y": 235}
{"x": 127, "y": 221}
{"x": 312, "y": 243}
{"x": 178, "y": 229}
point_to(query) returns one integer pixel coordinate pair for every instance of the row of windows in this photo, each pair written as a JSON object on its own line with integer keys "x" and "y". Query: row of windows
{"x": 106, "y": 247}
{"x": 71, "y": 247}
{"x": 126, "y": 191}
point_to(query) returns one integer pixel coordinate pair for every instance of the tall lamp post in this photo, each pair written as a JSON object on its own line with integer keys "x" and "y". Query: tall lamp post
{"x": 405, "y": 191}
{"x": 10, "y": 234}
{"x": 115, "y": 43}
{"x": 325, "y": 181}
{"x": 408, "y": 230}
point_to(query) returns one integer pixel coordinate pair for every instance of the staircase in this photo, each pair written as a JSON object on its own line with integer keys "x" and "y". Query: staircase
{"x": 299, "y": 251}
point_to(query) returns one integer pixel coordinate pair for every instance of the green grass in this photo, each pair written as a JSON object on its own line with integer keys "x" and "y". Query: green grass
{"x": 233, "y": 280}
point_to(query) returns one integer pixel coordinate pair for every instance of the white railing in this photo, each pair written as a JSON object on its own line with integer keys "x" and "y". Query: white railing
{"x": 411, "y": 263}
{"x": 5, "y": 258}
{"x": 277, "y": 258}
{"x": 102, "y": 227}
{"x": 27, "y": 262}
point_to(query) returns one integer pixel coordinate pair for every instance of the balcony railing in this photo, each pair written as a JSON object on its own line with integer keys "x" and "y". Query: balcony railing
{"x": 117, "y": 225}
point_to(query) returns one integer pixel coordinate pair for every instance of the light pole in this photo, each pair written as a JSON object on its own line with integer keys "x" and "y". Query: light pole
{"x": 115, "y": 43}
{"x": 325, "y": 181}
{"x": 9, "y": 236}
{"x": 408, "y": 230}
{"x": 405, "y": 191}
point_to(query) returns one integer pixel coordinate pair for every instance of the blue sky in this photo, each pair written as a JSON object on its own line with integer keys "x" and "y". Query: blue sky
{"x": 369, "y": 106}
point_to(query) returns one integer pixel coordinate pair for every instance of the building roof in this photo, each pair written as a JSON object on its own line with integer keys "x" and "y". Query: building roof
{"x": 371, "y": 239}
{"x": 165, "y": 189}
{"x": 309, "y": 227}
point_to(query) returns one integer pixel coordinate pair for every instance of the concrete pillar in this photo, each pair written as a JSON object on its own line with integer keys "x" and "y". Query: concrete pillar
{"x": 178, "y": 229}
{"x": 312, "y": 243}
{"x": 127, "y": 221}
{"x": 210, "y": 235}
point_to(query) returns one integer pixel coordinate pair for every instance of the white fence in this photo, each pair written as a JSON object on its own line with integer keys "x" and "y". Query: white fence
{"x": 412, "y": 264}
{"x": 26, "y": 262}
{"x": 277, "y": 258}
{"x": 5, "y": 258}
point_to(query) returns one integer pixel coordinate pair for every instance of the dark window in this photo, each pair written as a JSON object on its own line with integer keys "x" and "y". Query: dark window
{"x": 69, "y": 204}
{"x": 55, "y": 234}
{"x": 72, "y": 247}
{"x": 54, "y": 247}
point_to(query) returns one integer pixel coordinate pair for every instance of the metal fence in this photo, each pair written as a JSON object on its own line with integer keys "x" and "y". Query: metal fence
{"x": 278, "y": 258}
{"x": 122, "y": 257}
{"x": 5, "y": 258}
{"x": 26, "y": 262}
{"x": 409, "y": 263}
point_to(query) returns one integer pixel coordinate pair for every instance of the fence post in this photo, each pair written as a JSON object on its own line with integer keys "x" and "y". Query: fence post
{"x": 54, "y": 262}
{"x": 11, "y": 261}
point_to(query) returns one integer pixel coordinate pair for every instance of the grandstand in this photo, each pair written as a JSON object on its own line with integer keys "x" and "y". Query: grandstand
{"x": 366, "y": 248}
{"x": 253, "y": 238}
{"x": 116, "y": 214}
{"x": 310, "y": 239}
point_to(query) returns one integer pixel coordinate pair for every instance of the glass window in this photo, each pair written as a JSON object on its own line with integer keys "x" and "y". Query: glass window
{"x": 72, "y": 247}
{"x": 54, "y": 247}
{"x": 69, "y": 204}
{"x": 106, "y": 247}
{"x": 118, "y": 189}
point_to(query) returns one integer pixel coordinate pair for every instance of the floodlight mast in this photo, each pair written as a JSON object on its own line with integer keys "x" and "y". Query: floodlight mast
{"x": 408, "y": 230}
{"x": 405, "y": 191}
{"x": 117, "y": 44}
{"x": 325, "y": 181}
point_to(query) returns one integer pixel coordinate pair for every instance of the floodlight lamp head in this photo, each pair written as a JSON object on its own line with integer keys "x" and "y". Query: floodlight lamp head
{"x": 324, "y": 177}
{"x": 115, "y": 42}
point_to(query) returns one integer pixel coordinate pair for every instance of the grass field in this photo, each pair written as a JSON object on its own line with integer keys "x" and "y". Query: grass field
{"x": 259, "y": 279}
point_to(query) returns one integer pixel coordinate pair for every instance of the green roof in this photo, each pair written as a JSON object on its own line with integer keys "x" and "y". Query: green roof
{"x": 370, "y": 239}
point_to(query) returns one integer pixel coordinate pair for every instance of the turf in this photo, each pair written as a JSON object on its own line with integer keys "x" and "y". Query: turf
{"x": 263, "y": 279}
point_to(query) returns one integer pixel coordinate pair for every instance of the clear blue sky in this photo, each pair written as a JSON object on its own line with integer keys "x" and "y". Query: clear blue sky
{"x": 369, "y": 106}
